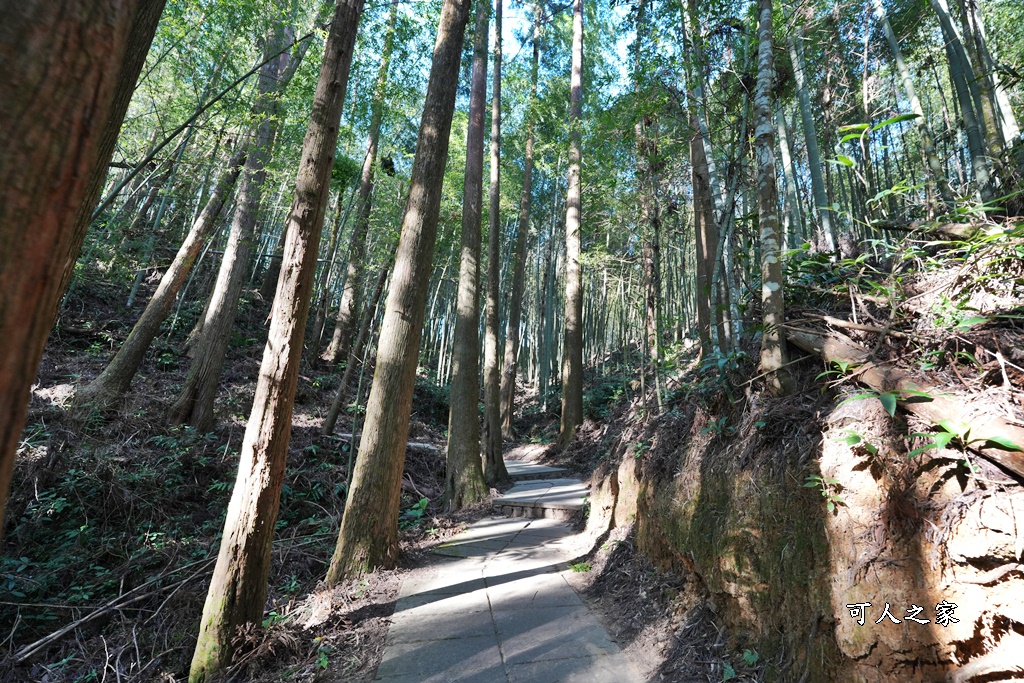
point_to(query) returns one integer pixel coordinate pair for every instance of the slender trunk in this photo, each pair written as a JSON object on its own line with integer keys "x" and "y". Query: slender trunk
{"x": 356, "y": 352}
{"x": 931, "y": 159}
{"x": 981, "y": 86}
{"x": 773, "y": 344}
{"x": 960, "y": 72}
{"x": 821, "y": 203}
{"x": 791, "y": 217}
{"x": 368, "y": 537}
{"x": 494, "y": 463}
{"x": 1007, "y": 119}
{"x": 238, "y": 589}
{"x": 508, "y": 376}
{"x": 109, "y": 387}
{"x": 68, "y": 78}
{"x": 195, "y": 403}
{"x": 572, "y": 355}
{"x": 464, "y": 478}
{"x": 352, "y": 292}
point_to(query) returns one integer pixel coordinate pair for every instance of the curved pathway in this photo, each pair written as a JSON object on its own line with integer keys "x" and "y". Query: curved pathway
{"x": 496, "y": 608}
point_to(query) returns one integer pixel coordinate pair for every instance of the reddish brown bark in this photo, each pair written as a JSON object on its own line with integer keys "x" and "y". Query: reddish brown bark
{"x": 239, "y": 586}
{"x": 65, "y": 72}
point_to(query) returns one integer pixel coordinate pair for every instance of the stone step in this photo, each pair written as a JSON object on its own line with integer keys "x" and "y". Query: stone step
{"x": 558, "y": 499}
{"x": 522, "y": 470}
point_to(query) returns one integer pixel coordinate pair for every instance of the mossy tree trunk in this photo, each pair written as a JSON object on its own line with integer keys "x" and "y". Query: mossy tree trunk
{"x": 773, "y": 344}
{"x": 69, "y": 74}
{"x": 368, "y": 537}
{"x": 239, "y": 586}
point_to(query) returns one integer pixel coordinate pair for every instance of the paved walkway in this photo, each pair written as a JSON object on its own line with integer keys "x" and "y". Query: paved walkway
{"x": 497, "y": 609}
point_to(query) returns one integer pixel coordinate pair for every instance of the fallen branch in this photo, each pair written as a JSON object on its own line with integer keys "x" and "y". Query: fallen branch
{"x": 921, "y": 398}
{"x": 414, "y": 446}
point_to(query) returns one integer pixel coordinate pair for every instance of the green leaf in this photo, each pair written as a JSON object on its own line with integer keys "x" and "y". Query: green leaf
{"x": 1003, "y": 442}
{"x": 851, "y": 136}
{"x": 888, "y": 400}
{"x": 942, "y": 439}
{"x": 854, "y": 128}
{"x": 751, "y": 657}
{"x": 918, "y": 451}
{"x": 845, "y": 160}
{"x": 914, "y": 392}
{"x": 831, "y": 506}
{"x": 896, "y": 119}
{"x": 852, "y": 438}
{"x": 968, "y": 323}
{"x": 728, "y": 673}
{"x": 870, "y": 448}
{"x": 955, "y": 427}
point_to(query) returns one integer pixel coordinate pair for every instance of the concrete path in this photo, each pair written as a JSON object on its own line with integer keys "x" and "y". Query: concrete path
{"x": 496, "y": 609}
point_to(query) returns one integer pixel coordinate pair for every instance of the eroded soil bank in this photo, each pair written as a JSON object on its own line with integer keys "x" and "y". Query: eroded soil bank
{"x": 772, "y": 516}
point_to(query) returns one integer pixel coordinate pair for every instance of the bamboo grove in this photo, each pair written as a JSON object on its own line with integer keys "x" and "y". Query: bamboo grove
{"x": 655, "y": 169}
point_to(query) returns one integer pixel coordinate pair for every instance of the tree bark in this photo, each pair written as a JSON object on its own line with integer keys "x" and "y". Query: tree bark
{"x": 773, "y": 345}
{"x": 109, "y": 387}
{"x": 368, "y": 537}
{"x": 464, "y": 478}
{"x": 341, "y": 340}
{"x": 494, "y": 462}
{"x": 69, "y": 72}
{"x": 515, "y": 311}
{"x": 195, "y": 403}
{"x": 143, "y": 29}
{"x": 239, "y": 586}
{"x": 572, "y": 357}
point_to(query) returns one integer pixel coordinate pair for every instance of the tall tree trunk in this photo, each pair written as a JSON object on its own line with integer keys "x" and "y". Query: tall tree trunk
{"x": 649, "y": 167}
{"x": 239, "y": 587}
{"x": 572, "y": 356}
{"x": 773, "y": 344}
{"x": 981, "y": 86}
{"x": 353, "y": 290}
{"x": 109, "y": 387}
{"x": 143, "y": 29}
{"x": 368, "y": 537}
{"x": 706, "y": 189}
{"x": 791, "y": 217}
{"x": 464, "y": 478}
{"x": 494, "y": 462}
{"x": 195, "y": 403}
{"x": 931, "y": 158}
{"x": 515, "y": 310}
{"x": 69, "y": 74}
{"x": 821, "y": 203}
{"x": 961, "y": 74}
{"x": 1007, "y": 119}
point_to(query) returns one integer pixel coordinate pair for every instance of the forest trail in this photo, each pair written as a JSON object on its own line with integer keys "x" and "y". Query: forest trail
{"x": 497, "y": 606}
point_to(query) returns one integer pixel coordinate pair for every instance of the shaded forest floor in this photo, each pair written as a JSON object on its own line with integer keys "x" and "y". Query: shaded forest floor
{"x": 114, "y": 520}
